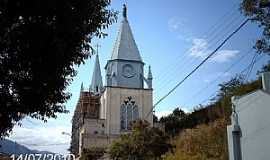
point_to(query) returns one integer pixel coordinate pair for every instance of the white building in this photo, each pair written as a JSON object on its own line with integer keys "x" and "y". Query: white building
{"x": 103, "y": 113}
{"x": 249, "y": 134}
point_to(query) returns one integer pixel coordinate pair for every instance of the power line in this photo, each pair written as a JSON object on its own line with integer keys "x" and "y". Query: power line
{"x": 209, "y": 98}
{"x": 206, "y": 49}
{"x": 212, "y": 32}
{"x": 229, "y": 14}
{"x": 223, "y": 73}
{"x": 196, "y": 68}
{"x": 188, "y": 63}
{"x": 216, "y": 25}
{"x": 208, "y": 57}
{"x": 247, "y": 68}
{"x": 251, "y": 67}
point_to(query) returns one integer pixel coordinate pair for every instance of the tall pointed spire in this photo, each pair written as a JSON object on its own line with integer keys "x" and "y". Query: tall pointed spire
{"x": 96, "y": 84}
{"x": 82, "y": 87}
{"x": 150, "y": 76}
{"x": 125, "y": 47}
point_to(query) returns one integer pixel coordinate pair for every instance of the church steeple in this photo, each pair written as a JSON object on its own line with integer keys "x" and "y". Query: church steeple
{"x": 125, "y": 47}
{"x": 125, "y": 68}
{"x": 96, "y": 83}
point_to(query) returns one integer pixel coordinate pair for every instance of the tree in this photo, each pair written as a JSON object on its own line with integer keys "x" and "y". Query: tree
{"x": 265, "y": 68}
{"x": 259, "y": 11}
{"x": 155, "y": 118}
{"x": 174, "y": 122}
{"x": 92, "y": 153}
{"x": 144, "y": 142}
{"x": 41, "y": 41}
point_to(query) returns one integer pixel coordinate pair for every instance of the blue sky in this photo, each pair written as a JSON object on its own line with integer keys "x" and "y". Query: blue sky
{"x": 173, "y": 37}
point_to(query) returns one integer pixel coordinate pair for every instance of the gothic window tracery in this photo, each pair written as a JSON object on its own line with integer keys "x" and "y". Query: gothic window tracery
{"x": 123, "y": 116}
{"x": 129, "y": 112}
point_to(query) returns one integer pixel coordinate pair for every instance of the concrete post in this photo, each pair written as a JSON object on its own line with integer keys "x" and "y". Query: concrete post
{"x": 236, "y": 134}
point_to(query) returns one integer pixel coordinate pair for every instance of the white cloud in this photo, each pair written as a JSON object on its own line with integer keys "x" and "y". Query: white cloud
{"x": 175, "y": 23}
{"x": 224, "y": 55}
{"x": 186, "y": 110}
{"x": 163, "y": 113}
{"x": 213, "y": 76}
{"x": 199, "y": 49}
{"x": 179, "y": 28}
{"x": 186, "y": 38}
{"x": 42, "y": 138}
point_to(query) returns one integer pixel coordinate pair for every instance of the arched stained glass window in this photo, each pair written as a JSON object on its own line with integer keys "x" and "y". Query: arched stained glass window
{"x": 129, "y": 116}
{"x": 135, "y": 113}
{"x": 123, "y": 116}
{"x": 129, "y": 112}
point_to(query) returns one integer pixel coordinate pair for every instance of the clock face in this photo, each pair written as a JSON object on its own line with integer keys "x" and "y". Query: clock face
{"x": 128, "y": 71}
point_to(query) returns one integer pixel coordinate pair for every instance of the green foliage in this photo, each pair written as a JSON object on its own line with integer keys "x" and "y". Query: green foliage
{"x": 259, "y": 11}
{"x": 41, "y": 41}
{"x": 155, "y": 118}
{"x": 92, "y": 153}
{"x": 174, "y": 122}
{"x": 203, "y": 132}
{"x": 205, "y": 142}
{"x": 234, "y": 87}
{"x": 143, "y": 143}
{"x": 219, "y": 108}
{"x": 265, "y": 68}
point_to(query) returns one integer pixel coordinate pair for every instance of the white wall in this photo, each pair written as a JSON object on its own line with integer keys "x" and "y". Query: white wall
{"x": 254, "y": 120}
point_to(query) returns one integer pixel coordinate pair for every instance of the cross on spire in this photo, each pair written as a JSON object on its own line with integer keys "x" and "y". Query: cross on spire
{"x": 97, "y": 46}
{"x": 125, "y": 11}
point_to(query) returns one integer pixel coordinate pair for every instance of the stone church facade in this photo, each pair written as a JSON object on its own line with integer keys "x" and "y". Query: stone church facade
{"x": 103, "y": 113}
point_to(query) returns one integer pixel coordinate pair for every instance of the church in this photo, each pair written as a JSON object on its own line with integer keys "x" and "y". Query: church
{"x": 104, "y": 112}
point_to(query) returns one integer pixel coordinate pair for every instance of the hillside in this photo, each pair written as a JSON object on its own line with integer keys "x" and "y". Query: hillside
{"x": 9, "y": 147}
{"x": 204, "y": 142}
{"x": 201, "y": 134}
